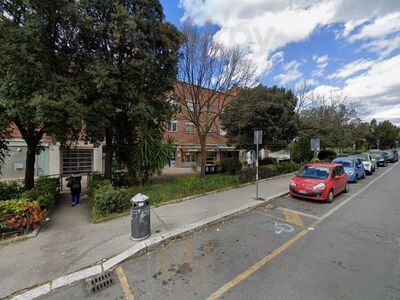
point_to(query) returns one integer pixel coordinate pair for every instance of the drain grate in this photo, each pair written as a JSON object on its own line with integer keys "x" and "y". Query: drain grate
{"x": 99, "y": 283}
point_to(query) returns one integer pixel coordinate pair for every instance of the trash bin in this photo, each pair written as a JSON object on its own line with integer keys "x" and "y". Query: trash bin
{"x": 140, "y": 217}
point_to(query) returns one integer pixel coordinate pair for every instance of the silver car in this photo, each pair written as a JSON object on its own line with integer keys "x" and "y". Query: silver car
{"x": 369, "y": 163}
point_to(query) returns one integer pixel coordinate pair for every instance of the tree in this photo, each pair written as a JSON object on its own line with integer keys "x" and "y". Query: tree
{"x": 333, "y": 119}
{"x": 210, "y": 74}
{"x": 37, "y": 55}
{"x": 387, "y": 134}
{"x": 131, "y": 58}
{"x": 271, "y": 110}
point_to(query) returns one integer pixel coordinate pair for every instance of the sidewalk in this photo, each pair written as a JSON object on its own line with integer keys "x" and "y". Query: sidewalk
{"x": 69, "y": 241}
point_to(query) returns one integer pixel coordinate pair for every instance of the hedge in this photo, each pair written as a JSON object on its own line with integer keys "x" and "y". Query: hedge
{"x": 14, "y": 215}
{"x": 11, "y": 189}
{"x": 107, "y": 200}
{"x": 14, "y": 210}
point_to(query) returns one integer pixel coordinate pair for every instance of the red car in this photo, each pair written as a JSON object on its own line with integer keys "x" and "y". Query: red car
{"x": 320, "y": 181}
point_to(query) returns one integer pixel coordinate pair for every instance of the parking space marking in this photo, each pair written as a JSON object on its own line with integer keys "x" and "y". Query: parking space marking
{"x": 275, "y": 217}
{"x": 245, "y": 274}
{"x": 298, "y": 213}
{"x": 124, "y": 283}
{"x": 293, "y": 218}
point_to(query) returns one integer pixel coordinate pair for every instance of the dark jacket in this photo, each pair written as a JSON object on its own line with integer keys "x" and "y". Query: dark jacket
{"x": 75, "y": 183}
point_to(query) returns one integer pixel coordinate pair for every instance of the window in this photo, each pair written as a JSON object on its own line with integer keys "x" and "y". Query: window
{"x": 189, "y": 157}
{"x": 172, "y": 126}
{"x": 77, "y": 160}
{"x": 189, "y": 127}
{"x": 189, "y": 104}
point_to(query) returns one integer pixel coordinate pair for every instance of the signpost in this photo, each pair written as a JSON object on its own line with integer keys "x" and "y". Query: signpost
{"x": 258, "y": 139}
{"x": 315, "y": 146}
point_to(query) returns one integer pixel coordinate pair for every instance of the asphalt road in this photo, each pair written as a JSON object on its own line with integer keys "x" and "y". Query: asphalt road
{"x": 287, "y": 249}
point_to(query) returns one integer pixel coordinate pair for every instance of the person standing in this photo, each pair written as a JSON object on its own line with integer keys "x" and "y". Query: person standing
{"x": 74, "y": 183}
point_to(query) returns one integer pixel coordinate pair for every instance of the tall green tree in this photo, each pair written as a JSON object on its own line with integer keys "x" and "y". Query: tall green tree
{"x": 131, "y": 57}
{"x": 387, "y": 133}
{"x": 37, "y": 58}
{"x": 270, "y": 109}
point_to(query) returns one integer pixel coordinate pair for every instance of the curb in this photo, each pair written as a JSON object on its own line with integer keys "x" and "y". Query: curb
{"x": 137, "y": 250}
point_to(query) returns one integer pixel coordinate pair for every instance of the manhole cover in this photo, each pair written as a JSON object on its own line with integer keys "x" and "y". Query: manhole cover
{"x": 99, "y": 283}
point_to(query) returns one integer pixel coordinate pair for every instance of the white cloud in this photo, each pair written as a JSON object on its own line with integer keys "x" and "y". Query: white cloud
{"x": 264, "y": 26}
{"x": 322, "y": 63}
{"x": 377, "y": 89}
{"x": 320, "y": 59}
{"x": 352, "y": 68}
{"x": 379, "y": 27}
{"x": 383, "y": 46}
{"x": 292, "y": 72}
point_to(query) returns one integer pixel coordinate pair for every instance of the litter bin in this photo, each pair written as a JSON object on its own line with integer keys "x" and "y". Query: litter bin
{"x": 140, "y": 217}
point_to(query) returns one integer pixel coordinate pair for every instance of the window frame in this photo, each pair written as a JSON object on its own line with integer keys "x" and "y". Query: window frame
{"x": 170, "y": 129}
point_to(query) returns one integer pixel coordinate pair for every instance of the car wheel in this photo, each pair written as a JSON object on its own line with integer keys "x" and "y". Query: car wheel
{"x": 330, "y": 197}
{"x": 356, "y": 179}
{"x": 347, "y": 188}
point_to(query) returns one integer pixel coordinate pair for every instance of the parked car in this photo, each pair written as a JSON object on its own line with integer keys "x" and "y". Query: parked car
{"x": 391, "y": 156}
{"x": 319, "y": 181}
{"x": 368, "y": 162}
{"x": 353, "y": 167}
{"x": 396, "y": 155}
{"x": 381, "y": 158}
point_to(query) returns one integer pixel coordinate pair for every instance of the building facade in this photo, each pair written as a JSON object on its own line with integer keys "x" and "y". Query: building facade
{"x": 186, "y": 140}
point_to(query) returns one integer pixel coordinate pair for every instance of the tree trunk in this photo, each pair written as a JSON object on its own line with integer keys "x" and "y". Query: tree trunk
{"x": 30, "y": 166}
{"x": 109, "y": 154}
{"x": 203, "y": 147}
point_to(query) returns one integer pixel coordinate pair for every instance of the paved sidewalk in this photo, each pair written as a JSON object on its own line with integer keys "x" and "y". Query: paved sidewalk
{"x": 69, "y": 241}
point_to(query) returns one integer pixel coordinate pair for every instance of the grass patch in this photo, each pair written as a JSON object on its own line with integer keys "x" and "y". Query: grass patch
{"x": 108, "y": 202}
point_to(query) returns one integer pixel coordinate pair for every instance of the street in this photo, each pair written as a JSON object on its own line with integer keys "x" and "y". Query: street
{"x": 286, "y": 249}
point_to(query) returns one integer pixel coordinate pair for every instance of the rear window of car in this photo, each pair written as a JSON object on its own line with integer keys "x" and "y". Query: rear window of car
{"x": 363, "y": 158}
{"x": 345, "y": 163}
{"x": 315, "y": 172}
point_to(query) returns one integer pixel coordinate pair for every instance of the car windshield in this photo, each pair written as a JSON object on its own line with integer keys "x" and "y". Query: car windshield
{"x": 345, "y": 163}
{"x": 315, "y": 172}
{"x": 363, "y": 158}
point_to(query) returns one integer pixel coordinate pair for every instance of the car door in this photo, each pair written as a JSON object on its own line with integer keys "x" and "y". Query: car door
{"x": 343, "y": 178}
{"x": 337, "y": 183}
{"x": 360, "y": 167}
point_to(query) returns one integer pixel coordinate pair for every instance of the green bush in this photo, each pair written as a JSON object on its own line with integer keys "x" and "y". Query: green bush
{"x": 231, "y": 165}
{"x": 46, "y": 191}
{"x": 14, "y": 214}
{"x": 301, "y": 150}
{"x": 249, "y": 175}
{"x": 107, "y": 199}
{"x": 121, "y": 178}
{"x": 11, "y": 189}
{"x": 287, "y": 167}
{"x": 327, "y": 155}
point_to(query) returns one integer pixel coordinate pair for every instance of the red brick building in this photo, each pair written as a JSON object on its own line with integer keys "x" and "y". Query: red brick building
{"x": 187, "y": 144}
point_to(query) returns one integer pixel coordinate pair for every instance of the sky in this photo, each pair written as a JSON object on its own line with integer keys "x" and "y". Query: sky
{"x": 339, "y": 47}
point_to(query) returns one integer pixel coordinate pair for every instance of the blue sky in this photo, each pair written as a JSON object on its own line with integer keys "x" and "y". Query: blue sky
{"x": 349, "y": 48}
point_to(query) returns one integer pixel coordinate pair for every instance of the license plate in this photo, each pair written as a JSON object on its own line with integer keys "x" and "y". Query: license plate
{"x": 302, "y": 192}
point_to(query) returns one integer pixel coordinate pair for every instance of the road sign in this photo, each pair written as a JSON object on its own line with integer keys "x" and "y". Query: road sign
{"x": 258, "y": 137}
{"x": 315, "y": 145}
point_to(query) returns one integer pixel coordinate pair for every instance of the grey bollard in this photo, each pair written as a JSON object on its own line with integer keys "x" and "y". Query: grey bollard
{"x": 140, "y": 217}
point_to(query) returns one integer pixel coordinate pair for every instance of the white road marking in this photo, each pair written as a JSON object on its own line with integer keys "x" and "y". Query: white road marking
{"x": 299, "y": 213}
{"x": 323, "y": 217}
